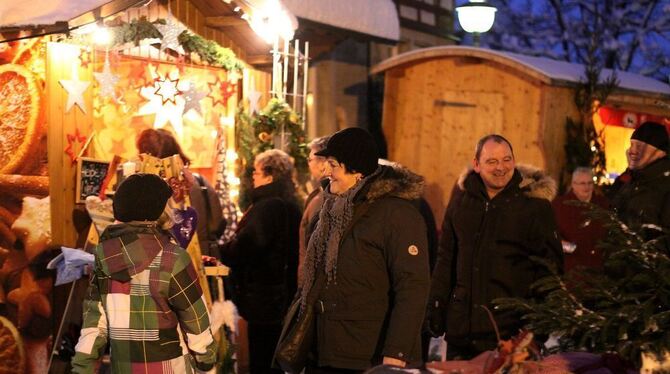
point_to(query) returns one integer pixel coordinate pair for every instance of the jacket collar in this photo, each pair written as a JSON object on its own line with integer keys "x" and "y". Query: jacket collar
{"x": 653, "y": 170}
{"x": 474, "y": 185}
{"x": 392, "y": 181}
{"x": 534, "y": 182}
{"x": 273, "y": 189}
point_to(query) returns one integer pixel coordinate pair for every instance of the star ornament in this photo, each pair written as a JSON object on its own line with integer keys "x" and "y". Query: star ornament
{"x": 71, "y": 140}
{"x": 107, "y": 81}
{"x": 171, "y": 31}
{"x": 75, "y": 91}
{"x": 221, "y": 91}
{"x": 167, "y": 89}
{"x": 192, "y": 99}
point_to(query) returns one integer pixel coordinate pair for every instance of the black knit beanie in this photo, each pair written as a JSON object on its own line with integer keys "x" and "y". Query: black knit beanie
{"x": 355, "y": 148}
{"x": 653, "y": 134}
{"x": 141, "y": 197}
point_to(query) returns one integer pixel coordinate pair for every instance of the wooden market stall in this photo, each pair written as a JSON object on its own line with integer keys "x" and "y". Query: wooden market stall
{"x": 439, "y": 101}
{"x": 70, "y": 108}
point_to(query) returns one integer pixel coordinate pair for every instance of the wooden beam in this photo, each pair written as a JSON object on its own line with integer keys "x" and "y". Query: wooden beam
{"x": 265, "y": 59}
{"x": 224, "y": 21}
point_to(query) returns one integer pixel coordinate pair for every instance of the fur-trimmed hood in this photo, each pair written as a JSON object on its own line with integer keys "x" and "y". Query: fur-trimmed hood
{"x": 395, "y": 180}
{"x": 535, "y": 181}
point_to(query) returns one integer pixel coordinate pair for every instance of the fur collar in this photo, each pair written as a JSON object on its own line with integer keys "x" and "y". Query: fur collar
{"x": 536, "y": 182}
{"x": 395, "y": 181}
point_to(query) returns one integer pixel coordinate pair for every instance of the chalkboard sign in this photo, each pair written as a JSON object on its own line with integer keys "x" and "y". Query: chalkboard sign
{"x": 90, "y": 175}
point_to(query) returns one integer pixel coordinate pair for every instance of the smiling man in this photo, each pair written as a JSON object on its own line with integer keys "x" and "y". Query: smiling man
{"x": 641, "y": 195}
{"x": 490, "y": 231}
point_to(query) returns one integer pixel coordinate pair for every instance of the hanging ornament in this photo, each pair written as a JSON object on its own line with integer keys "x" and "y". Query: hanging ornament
{"x": 164, "y": 110}
{"x": 181, "y": 64}
{"x": 71, "y": 140}
{"x": 107, "y": 80}
{"x": 192, "y": 99}
{"x": 85, "y": 57}
{"x": 221, "y": 91}
{"x": 254, "y": 98}
{"x": 75, "y": 91}
{"x": 171, "y": 31}
{"x": 167, "y": 89}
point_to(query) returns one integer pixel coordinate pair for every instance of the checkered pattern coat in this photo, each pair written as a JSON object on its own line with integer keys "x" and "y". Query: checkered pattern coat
{"x": 145, "y": 301}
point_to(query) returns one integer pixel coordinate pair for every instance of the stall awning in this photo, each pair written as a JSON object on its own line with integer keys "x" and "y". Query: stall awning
{"x": 378, "y": 18}
{"x": 49, "y": 12}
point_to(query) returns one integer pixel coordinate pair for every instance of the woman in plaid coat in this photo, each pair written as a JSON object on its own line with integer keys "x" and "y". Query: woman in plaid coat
{"x": 144, "y": 298}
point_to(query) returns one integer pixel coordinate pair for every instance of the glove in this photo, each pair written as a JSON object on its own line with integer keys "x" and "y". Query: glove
{"x": 435, "y": 323}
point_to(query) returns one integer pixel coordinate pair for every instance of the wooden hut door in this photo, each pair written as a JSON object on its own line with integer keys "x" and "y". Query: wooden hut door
{"x": 460, "y": 119}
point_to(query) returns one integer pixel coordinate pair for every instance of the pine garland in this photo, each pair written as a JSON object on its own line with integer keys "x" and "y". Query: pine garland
{"x": 624, "y": 309}
{"x": 258, "y": 132}
{"x": 208, "y": 52}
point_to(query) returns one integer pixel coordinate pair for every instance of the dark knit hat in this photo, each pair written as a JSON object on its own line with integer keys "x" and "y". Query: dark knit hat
{"x": 355, "y": 148}
{"x": 141, "y": 197}
{"x": 653, "y": 134}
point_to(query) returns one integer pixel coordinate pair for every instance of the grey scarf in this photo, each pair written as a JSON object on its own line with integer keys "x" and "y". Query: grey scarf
{"x": 335, "y": 216}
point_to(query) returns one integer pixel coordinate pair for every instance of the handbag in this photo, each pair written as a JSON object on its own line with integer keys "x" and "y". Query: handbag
{"x": 298, "y": 333}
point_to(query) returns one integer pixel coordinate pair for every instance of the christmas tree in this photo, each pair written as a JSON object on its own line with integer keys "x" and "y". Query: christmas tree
{"x": 625, "y": 308}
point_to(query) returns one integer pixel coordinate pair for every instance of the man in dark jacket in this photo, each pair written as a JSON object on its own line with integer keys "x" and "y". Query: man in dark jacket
{"x": 489, "y": 233}
{"x": 263, "y": 256}
{"x": 370, "y": 247}
{"x": 641, "y": 195}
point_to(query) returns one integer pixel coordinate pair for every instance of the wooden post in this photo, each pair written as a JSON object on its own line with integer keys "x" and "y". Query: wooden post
{"x": 296, "y": 53}
{"x": 61, "y": 58}
{"x": 304, "y": 84}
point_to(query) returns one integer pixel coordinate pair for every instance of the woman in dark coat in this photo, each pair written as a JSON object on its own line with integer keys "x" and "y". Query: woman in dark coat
{"x": 263, "y": 256}
{"x": 370, "y": 246}
{"x": 579, "y": 233}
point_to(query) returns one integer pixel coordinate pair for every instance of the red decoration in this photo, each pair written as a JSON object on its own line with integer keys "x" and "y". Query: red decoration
{"x": 181, "y": 64}
{"x": 85, "y": 57}
{"x": 629, "y": 119}
{"x": 137, "y": 74}
{"x": 221, "y": 91}
{"x": 71, "y": 139}
{"x": 167, "y": 89}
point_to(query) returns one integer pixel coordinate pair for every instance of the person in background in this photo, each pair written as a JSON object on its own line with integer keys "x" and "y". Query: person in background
{"x": 490, "y": 231}
{"x": 370, "y": 253}
{"x": 263, "y": 256}
{"x": 578, "y": 232}
{"x": 314, "y": 199}
{"x": 144, "y": 298}
{"x": 211, "y": 224}
{"x": 641, "y": 195}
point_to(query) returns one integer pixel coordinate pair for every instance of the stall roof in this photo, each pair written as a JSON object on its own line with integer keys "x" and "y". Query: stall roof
{"x": 545, "y": 69}
{"x": 378, "y": 18}
{"x": 43, "y": 12}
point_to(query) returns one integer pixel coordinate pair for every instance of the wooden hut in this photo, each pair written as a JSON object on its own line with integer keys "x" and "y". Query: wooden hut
{"x": 439, "y": 101}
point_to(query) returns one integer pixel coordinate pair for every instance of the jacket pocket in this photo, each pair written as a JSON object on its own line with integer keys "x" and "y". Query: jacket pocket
{"x": 352, "y": 338}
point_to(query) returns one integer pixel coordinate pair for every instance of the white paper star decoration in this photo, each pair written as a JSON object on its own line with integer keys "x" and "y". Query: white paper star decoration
{"x": 164, "y": 111}
{"x": 75, "y": 91}
{"x": 171, "y": 31}
{"x": 107, "y": 81}
{"x": 192, "y": 99}
{"x": 167, "y": 89}
{"x": 253, "y": 96}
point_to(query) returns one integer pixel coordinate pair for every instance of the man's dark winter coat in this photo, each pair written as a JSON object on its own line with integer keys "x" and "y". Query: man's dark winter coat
{"x": 485, "y": 253}
{"x": 263, "y": 255}
{"x": 376, "y": 305}
{"x": 643, "y": 196}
